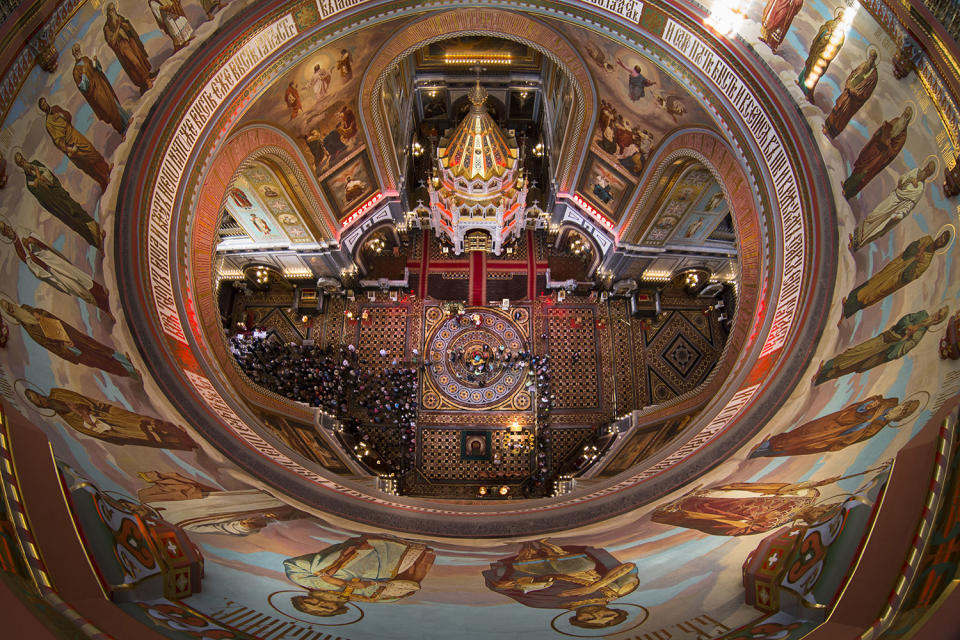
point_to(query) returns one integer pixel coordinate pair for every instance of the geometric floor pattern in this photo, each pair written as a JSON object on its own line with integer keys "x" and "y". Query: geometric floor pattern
{"x": 679, "y": 352}
{"x": 574, "y": 362}
{"x": 476, "y": 378}
{"x": 441, "y": 460}
{"x": 385, "y": 328}
{"x": 600, "y": 356}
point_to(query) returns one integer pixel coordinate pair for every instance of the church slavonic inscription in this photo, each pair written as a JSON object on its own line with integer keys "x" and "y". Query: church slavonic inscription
{"x": 781, "y": 171}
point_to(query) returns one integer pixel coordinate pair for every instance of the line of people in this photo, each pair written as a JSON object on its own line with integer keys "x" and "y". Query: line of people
{"x": 361, "y": 397}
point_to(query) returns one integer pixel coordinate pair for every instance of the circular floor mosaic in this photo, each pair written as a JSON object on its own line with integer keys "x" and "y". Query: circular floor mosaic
{"x": 466, "y": 369}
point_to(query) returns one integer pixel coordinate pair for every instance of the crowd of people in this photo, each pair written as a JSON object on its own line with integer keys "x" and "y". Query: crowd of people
{"x": 355, "y": 392}
{"x": 367, "y": 398}
{"x": 538, "y": 381}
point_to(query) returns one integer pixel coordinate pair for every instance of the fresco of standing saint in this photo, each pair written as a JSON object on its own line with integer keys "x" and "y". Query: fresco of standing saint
{"x": 109, "y": 422}
{"x": 835, "y": 431}
{"x": 856, "y": 90}
{"x": 894, "y": 343}
{"x": 54, "y": 268}
{"x": 899, "y": 272}
{"x": 80, "y": 151}
{"x": 895, "y": 207}
{"x": 746, "y": 508}
{"x": 368, "y": 568}
{"x": 824, "y": 48}
{"x": 584, "y": 580}
{"x": 172, "y": 21}
{"x": 98, "y": 92}
{"x": 123, "y": 38}
{"x": 880, "y": 150}
{"x": 777, "y": 16}
{"x": 49, "y": 192}
{"x": 66, "y": 341}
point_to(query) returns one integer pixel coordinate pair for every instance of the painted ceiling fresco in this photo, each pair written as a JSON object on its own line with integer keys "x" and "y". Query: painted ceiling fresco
{"x": 639, "y": 104}
{"x": 684, "y": 567}
{"x": 315, "y": 103}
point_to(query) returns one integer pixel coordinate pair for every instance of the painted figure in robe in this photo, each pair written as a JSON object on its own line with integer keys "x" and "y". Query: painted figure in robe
{"x": 894, "y": 343}
{"x": 835, "y": 431}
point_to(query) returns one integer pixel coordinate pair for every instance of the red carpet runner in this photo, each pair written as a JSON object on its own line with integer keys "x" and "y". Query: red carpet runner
{"x": 478, "y": 278}
{"x": 424, "y": 264}
{"x": 531, "y": 266}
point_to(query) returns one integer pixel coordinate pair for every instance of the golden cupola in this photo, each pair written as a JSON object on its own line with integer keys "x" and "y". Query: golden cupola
{"x": 478, "y": 187}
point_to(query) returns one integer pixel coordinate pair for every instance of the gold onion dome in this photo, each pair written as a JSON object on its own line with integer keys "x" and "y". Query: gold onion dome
{"x": 477, "y": 148}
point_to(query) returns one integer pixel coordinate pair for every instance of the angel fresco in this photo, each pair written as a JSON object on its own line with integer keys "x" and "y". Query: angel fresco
{"x": 895, "y": 207}
{"x": 673, "y": 105}
{"x": 912, "y": 263}
{"x": 98, "y": 92}
{"x": 291, "y": 97}
{"x": 49, "y": 192}
{"x": 857, "y": 90}
{"x": 777, "y": 16}
{"x": 66, "y": 341}
{"x": 79, "y": 150}
{"x": 368, "y": 568}
{"x": 345, "y": 65}
{"x": 123, "y": 38}
{"x": 54, "y": 268}
{"x": 595, "y": 53}
{"x": 894, "y": 343}
{"x": 855, "y": 423}
{"x": 582, "y": 580}
{"x": 884, "y": 145}
{"x": 109, "y": 422}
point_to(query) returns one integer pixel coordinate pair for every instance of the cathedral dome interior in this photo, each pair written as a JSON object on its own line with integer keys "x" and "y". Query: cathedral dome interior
{"x": 374, "y": 320}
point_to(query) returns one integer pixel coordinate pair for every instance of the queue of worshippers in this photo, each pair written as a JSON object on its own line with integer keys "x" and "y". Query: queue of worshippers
{"x": 337, "y": 381}
{"x": 364, "y": 397}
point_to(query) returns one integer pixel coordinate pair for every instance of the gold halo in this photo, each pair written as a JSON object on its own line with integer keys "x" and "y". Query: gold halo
{"x": 21, "y": 385}
{"x": 916, "y": 413}
{"x": 936, "y": 164}
{"x": 9, "y": 318}
{"x": 604, "y": 631}
{"x": 312, "y": 621}
{"x": 4, "y": 239}
{"x": 873, "y": 48}
{"x": 953, "y": 234}
{"x": 913, "y": 107}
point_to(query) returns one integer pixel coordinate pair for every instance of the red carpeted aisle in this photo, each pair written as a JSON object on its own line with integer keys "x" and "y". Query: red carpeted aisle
{"x": 478, "y": 278}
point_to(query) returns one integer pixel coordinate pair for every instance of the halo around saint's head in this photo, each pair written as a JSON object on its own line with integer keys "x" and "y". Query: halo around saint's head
{"x": 284, "y": 606}
{"x": 7, "y": 317}
{"x": 635, "y": 616}
{"x": 22, "y": 385}
{"x": 921, "y": 405}
{"x": 953, "y": 234}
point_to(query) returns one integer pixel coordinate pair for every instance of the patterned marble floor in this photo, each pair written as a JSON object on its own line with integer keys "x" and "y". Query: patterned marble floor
{"x": 602, "y": 362}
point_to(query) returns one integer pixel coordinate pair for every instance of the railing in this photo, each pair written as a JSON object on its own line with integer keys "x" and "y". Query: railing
{"x": 8, "y": 7}
{"x": 947, "y": 12}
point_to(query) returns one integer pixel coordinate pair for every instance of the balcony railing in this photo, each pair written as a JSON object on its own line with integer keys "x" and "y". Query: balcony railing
{"x": 947, "y": 12}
